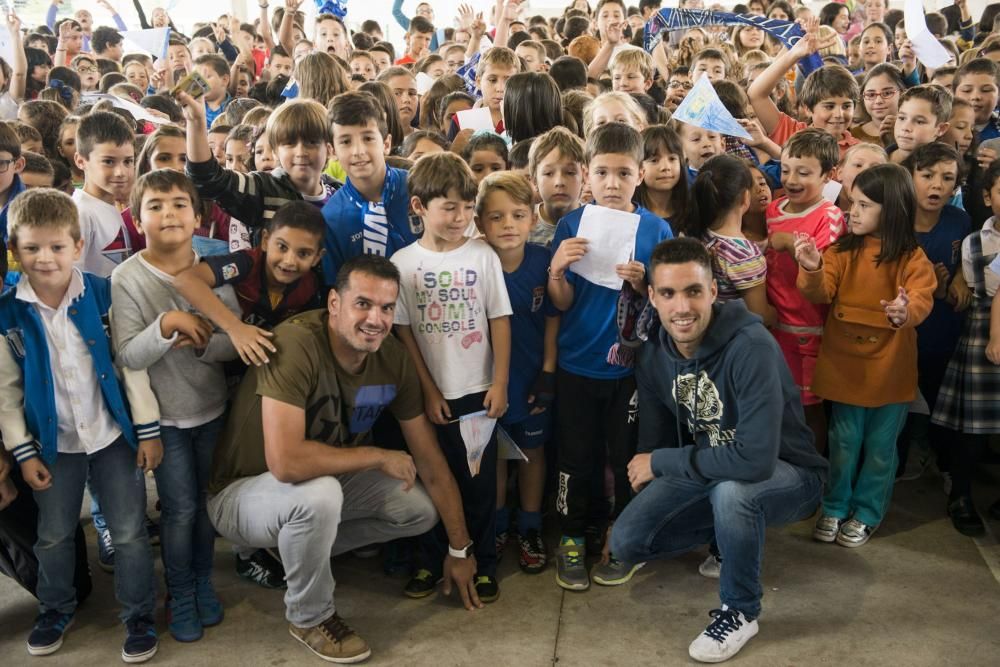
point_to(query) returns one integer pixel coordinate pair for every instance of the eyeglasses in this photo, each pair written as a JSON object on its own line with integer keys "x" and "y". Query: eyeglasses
{"x": 686, "y": 85}
{"x": 5, "y": 165}
{"x": 886, "y": 94}
{"x": 87, "y": 70}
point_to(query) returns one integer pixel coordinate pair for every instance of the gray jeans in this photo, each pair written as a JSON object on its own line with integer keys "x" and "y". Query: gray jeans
{"x": 310, "y": 521}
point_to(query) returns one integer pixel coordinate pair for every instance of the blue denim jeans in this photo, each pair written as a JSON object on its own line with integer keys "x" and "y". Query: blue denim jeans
{"x": 115, "y": 476}
{"x": 187, "y": 538}
{"x": 670, "y": 517}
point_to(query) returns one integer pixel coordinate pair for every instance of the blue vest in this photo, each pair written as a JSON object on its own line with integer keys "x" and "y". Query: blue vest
{"x": 22, "y": 328}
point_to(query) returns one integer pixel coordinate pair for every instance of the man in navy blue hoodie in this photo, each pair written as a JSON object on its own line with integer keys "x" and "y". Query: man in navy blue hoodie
{"x": 724, "y": 447}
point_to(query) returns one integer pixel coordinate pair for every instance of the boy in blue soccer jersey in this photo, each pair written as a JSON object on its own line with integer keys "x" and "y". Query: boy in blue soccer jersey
{"x": 505, "y": 215}
{"x": 596, "y": 401}
{"x": 370, "y": 214}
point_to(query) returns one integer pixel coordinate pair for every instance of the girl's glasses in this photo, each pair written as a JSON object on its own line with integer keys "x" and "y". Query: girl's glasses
{"x": 884, "y": 94}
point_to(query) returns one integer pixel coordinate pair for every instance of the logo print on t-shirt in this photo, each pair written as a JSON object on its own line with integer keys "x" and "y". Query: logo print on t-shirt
{"x": 369, "y": 402}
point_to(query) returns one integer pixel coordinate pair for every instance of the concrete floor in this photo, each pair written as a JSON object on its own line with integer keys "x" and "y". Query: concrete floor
{"x": 918, "y": 594}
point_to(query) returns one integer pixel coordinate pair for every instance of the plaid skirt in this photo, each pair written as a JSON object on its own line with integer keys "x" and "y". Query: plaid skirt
{"x": 969, "y": 400}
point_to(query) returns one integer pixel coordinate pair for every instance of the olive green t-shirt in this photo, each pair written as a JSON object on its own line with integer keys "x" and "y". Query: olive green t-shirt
{"x": 340, "y": 407}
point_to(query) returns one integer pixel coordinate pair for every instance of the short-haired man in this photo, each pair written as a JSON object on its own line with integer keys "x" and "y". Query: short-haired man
{"x": 296, "y": 468}
{"x": 725, "y": 449}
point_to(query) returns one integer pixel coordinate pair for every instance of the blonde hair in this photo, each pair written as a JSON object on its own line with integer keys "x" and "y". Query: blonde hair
{"x": 320, "y": 77}
{"x": 633, "y": 58}
{"x": 515, "y": 185}
{"x": 557, "y": 139}
{"x": 836, "y": 46}
{"x": 626, "y": 100}
{"x": 498, "y": 56}
{"x": 863, "y": 146}
{"x": 43, "y": 208}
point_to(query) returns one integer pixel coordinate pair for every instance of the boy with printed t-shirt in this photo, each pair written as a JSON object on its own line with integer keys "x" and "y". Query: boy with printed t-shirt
{"x": 807, "y": 163}
{"x": 596, "y": 400}
{"x": 504, "y": 214}
{"x": 453, "y": 315}
{"x": 370, "y": 214}
{"x": 105, "y": 153}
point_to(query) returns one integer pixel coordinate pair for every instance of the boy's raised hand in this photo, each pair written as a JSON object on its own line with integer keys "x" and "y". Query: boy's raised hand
{"x": 569, "y": 251}
{"x": 809, "y": 43}
{"x": 806, "y": 252}
{"x": 897, "y": 310}
{"x": 194, "y": 109}
{"x": 149, "y": 455}
{"x": 36, "y": 475}
{"x": 252, "y": 343}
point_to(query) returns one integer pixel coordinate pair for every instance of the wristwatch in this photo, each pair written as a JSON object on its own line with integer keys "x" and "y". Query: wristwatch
{"x": 464, "y": 552}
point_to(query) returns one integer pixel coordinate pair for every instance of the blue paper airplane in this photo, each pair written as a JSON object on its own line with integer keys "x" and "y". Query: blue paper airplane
{"x": 703, "y": 108}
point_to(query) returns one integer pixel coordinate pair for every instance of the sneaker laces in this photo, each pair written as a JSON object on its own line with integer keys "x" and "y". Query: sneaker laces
{"x": 107, "y": 542}
{"x": 423, "y": 575}
{"x": 726, "y": 621}
{"x": 532, "y": 543}
{"x": 141, "y": 625}
{"x": 49, "y": 619}
{"x": 483, "y": 579}
{"x": 336, "y": 629}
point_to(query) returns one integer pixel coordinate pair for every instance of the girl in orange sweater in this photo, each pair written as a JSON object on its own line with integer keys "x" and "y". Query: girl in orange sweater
{"x": 880, "y": 286}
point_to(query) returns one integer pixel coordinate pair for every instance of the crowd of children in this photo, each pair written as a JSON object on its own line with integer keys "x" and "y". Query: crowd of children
{"x": 146, "y": 255}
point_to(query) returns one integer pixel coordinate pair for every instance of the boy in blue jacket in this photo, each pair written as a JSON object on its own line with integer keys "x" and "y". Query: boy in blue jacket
{"x": 63, "y": 415}
{"x": 370, "y": 214}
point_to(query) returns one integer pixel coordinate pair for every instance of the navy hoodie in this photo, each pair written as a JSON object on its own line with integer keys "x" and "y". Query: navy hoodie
{"x": 729, "y": 412}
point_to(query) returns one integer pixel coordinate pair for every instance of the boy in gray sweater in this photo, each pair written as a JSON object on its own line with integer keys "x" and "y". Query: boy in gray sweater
{"x": 155, "y": 329}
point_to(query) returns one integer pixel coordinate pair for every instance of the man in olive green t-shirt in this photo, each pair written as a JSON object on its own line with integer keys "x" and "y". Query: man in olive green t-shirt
{"x": 296, "y": 468}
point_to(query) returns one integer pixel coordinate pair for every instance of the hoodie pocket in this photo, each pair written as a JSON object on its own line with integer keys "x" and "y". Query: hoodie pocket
{"x": 851, "y": 339}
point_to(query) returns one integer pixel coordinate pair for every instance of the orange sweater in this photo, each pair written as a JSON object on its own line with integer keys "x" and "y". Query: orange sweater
{"x": 864, "y": 360}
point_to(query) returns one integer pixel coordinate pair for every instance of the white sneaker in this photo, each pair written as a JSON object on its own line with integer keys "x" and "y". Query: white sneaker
{"x": 724, "y": 637}
{"x": 711, "y": 568}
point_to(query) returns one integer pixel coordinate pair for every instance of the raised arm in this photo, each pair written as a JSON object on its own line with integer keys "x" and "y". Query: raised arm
{"x": 397, "y": 13}
{"x": 142, "y": 15}
{"x": 19, "y": 64}
{"x": 285, "y": 30}
{"x": 609, "y": 42}
{"x": 760, "y": 90}
{"x": 265, "y": 26}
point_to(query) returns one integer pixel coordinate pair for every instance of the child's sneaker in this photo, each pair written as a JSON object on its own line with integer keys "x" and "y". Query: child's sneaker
{"x": 262, "y": 569}
{"x": 724, "y": 636}
{"x": 333, "y": 641}
{"x": 182, "y": 618}
{"x": 421, "y": 585}
{"x": 827, "y": 528}
{"x": 487, "y": 588}
{"x": 533, "y": 553}
{"x": 210, "y": 610}
{"x": 105, "y": 550}
{"x": 615, "y": 572}
{"x": 47, "y": 635}
{"x": 853, "y": 533}
{"x": 140, "y": 640}
{"x": 571, "y": 569}
{"x": 711, "y": 568}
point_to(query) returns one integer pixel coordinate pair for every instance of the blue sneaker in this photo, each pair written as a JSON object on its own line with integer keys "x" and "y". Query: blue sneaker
{"x": 209, "y": 607}
{"x": 47, "y": 635}
{"x": 105, "y": 550}
{"x": 182, "y": 617}
{"x": 140, "y": 640}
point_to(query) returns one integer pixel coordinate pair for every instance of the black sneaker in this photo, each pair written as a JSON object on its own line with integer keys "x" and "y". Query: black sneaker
{"x": 965, "y": 518}
{"x": 140, "y": 640}
{"x": 422, "y": 584}
{"x": 47, "y": 635}
{"x": 533, "y": 553}
{"x": 487, "y": 588}
{"x": 105, "y": 550}
{"x": 263, "y": 569}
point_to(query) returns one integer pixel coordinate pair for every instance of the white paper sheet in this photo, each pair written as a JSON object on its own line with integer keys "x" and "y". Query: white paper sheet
{"x": 424, "y": 82}
{"x": 831, "y": 191}
{"x": 6, "y": 44}
{"x": 153, "y": 41}
{"x": 925, "y": 45}
{"x": 138, "y": 112}
{"x": 476, "y": 429}
{"x": 612, "y": 240}
{"x": 507, "y": 450}
{"x": 475, "y": 119}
